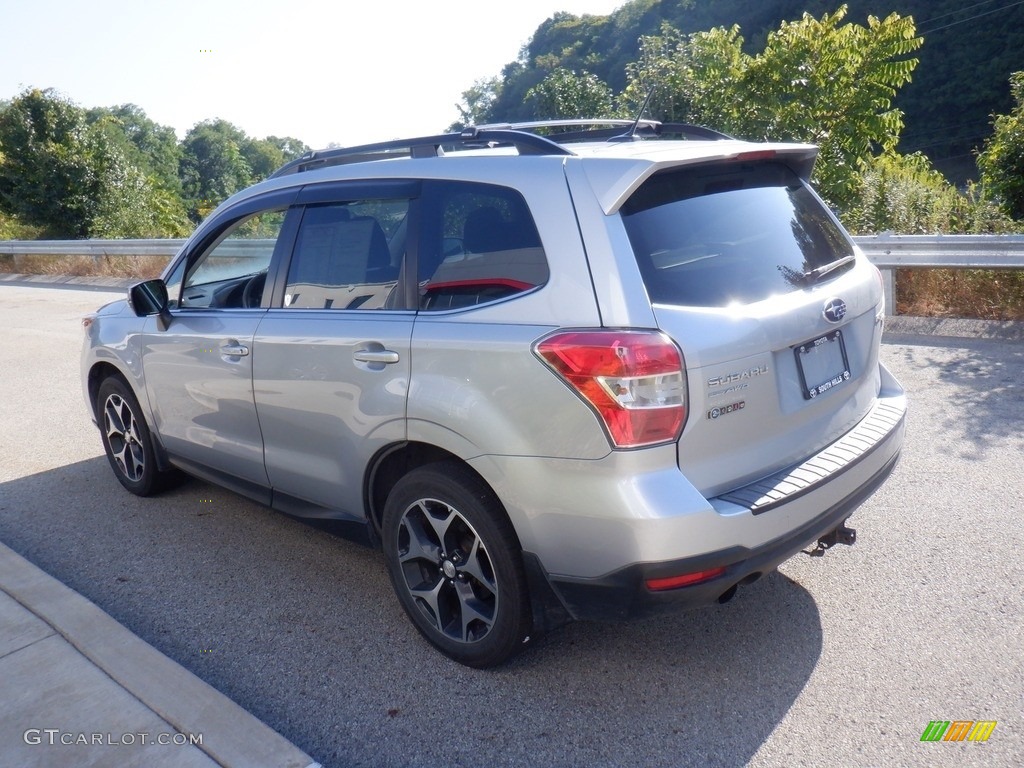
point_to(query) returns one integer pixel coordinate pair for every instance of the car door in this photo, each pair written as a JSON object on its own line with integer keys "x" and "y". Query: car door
{"x": 198, "y": 369}
{"x": 331, "y": 362}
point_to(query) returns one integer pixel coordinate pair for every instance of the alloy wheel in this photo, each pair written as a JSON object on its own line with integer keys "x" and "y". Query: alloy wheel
{"x": 447, "y": 570}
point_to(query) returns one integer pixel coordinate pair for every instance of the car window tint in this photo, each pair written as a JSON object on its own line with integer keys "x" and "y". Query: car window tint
{"x": 720, "y": 234}
{"x": 480, "y": 244}
{"x": 347, "y": 255}
{"x": 239, "y": 258}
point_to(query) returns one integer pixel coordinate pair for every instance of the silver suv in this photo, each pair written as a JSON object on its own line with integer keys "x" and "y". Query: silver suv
{"x": 593, "y": 374}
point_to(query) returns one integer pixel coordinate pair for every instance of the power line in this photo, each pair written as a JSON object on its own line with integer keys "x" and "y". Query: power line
{"x": 923, "y": 132}
{"x": 971, "y": 18}
{"x": 958, "y": 10}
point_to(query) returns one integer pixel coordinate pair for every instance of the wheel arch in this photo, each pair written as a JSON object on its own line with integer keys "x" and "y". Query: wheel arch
{"x": 394, "y": 462}
{"x": 100, "y": 372}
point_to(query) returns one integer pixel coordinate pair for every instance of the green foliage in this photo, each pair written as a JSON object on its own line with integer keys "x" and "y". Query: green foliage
{"x": 151, "y": 147}
{"x": 477, "y": 102}
{"x": 213, "y": 166}
{"x": 1002, "y": 161}
{"x": 817, "y": 81}
{"x": 265, "y": 156}
{"x": 693, "y": 77}
{"x": 68, "y": 177}
{"x": 965, "y": 62}
{"x": 112, "y": 172}
{"x": 563, "y": 94}
{"x": 47, "y": 177}
{"x": 904, "y": 194}
{"x": 13, "y": 229}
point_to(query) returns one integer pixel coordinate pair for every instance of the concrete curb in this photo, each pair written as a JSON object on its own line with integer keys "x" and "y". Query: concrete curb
{"x": 231, "y": 736}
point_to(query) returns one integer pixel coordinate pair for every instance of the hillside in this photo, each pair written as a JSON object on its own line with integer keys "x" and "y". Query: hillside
{"x": 962, "y": 79}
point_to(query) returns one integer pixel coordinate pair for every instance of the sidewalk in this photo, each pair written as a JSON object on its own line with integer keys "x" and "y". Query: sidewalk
{"x": 78, "y": 689}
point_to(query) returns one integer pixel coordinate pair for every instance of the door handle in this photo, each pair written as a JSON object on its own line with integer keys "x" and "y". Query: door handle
{"x": 234, "y": 349}
{"x": 385, "y": 356}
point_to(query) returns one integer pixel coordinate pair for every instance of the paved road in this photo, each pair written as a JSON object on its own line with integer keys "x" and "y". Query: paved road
{"x": 841, "y": 660}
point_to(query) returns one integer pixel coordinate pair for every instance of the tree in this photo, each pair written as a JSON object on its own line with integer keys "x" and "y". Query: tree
{"x": 906, "y": 195}
{"x": 70, "y": 178}
{"x": 1002, "y": 161}
{"x": 46, "y": 174}
{"x": 154, "y": 207}
{"x": 565, "y": 94}
{"x": 265, "y": 156}
{"x": 153, "y": 148}
{"x": 213, "y": 166}
{"x": 816, "y": 81}
{"x": 475, "y": 107}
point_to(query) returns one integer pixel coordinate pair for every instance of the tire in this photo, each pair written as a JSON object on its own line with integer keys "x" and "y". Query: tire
{"x": 127, "y": 440}
{"x": 455, "y": 564}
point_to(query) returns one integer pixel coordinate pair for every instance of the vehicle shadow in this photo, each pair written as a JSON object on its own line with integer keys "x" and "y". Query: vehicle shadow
{"x": 980, "y": 379}
{"x": 301, "y": 628}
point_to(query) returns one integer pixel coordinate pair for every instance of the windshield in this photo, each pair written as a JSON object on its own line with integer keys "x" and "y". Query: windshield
{"x": 716, "y": 235}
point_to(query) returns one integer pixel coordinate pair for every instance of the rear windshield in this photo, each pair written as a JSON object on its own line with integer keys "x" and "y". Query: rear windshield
{"x": 712, "y": 236}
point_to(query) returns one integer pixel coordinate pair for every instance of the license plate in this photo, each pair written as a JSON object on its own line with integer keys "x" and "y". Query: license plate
{"x": 822, "y": 364}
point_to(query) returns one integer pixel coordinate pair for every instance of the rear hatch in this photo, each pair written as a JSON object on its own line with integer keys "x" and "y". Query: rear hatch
{"x": 776, "y": 313}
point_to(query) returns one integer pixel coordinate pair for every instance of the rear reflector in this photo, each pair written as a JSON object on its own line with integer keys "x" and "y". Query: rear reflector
{"x": 633, "y": 380}
{"x": 684, "y": 580}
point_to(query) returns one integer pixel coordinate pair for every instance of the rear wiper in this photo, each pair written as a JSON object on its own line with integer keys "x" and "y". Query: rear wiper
{"x": 814, "y": 275}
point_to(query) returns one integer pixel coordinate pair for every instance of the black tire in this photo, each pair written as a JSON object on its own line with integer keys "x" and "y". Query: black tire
{"x": 127, "y": 440}
{"x": 456, "y": 566}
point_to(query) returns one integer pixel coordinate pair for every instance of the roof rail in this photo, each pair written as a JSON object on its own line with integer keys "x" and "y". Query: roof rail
{"x": 589, "y": 129}
{"x": 522, "y": 136}
{"x": 424, "y": 146}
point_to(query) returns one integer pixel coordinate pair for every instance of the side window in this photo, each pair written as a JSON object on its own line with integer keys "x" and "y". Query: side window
{"x": 480, "y": 244}
{"x": 231, "y": 273}
{"x": 347, "y": 255}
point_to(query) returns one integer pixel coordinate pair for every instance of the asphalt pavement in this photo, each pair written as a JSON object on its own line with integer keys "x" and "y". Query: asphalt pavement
{"x": 200, "y": 613}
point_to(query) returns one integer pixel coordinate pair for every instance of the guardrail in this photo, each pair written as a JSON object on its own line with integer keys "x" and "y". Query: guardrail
{"x": 890, "y": 252}
{"x": 886, "y": 251}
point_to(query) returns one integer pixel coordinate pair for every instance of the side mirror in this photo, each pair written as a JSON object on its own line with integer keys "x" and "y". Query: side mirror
{"x": 150, "y": 298}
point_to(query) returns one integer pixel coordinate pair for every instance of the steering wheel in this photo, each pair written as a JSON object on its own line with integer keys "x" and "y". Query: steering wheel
{"x": 252, "y": 294}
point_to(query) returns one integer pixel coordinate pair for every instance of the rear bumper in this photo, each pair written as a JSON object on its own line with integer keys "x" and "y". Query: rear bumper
{"x": 835, "y": 481}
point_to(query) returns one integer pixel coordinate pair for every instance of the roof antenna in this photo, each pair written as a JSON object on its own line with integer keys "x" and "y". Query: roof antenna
{"x": 631, "y": 133}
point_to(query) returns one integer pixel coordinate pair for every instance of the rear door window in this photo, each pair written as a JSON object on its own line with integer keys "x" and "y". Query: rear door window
{"x": 479, "y": 244}
{"x": 716, "y": 235}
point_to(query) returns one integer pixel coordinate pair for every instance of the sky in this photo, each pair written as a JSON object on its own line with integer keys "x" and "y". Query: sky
{"x": 322, "y": 72}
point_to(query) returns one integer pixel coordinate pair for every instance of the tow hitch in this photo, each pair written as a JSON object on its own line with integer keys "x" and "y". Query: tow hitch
{"x": 840, "y": 535}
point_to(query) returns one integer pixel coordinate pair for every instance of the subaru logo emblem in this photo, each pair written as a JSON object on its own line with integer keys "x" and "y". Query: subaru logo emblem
{"x": 835, "y": 310}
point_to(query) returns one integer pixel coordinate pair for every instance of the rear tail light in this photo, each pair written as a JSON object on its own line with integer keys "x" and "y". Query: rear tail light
{"x": 633, "y": 380}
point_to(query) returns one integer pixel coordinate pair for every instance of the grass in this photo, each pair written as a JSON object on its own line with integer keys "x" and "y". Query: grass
{"x": 141, "y": 267}
{"x": 972, "y": 293}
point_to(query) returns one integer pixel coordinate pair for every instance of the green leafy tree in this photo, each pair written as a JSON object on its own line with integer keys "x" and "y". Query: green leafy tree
{"x": 476, "y": 104}
{"x": 906, "y": 195}
{"x": 71, "y": 178}
{"x": 816, "y": 81}
{"x": 1002, "y": 161}
{"x": 213, "y": 166}
{"x": 265, "y": 156}
{"x": 153, "y": 148}
{"x": 565, "y": 94}
{"x": 46, "y": 174}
